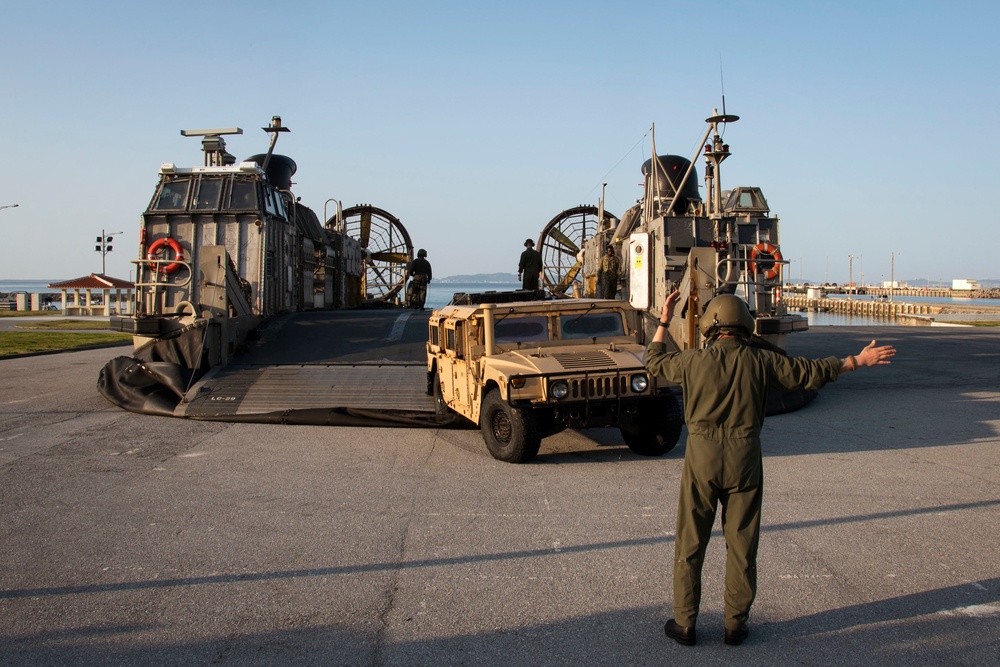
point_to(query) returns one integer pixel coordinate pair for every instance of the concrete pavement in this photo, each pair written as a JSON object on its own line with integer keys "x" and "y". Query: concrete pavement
{"x": 130, "y": 539}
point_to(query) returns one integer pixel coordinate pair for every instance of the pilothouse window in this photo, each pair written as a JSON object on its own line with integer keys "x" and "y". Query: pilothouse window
{"x": 173, "y": 195}
{"x": 206, "y": 196}
{"x": 243, "y": 196}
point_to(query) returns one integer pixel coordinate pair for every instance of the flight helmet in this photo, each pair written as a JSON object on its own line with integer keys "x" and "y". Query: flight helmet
{"x": 727, "y": 312}
{"x": 421, "y": 253}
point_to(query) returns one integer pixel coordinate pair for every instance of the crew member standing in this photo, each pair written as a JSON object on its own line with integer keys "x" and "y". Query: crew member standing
{"x": 607, "y": 274}
{"x": 530, "y": 266}
{"x": 725, "y": 389}
{"x": 419, "y": 271}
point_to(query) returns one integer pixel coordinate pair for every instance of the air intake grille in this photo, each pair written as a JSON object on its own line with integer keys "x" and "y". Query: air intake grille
{"x": 572, "y": 361}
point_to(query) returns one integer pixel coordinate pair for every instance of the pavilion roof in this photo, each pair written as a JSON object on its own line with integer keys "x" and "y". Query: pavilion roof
{"x": 93, "y": 281}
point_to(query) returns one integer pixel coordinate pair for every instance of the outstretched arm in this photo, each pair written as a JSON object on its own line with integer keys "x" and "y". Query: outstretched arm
{"x": 668, "y": 312}
{"x": 870, "y": 356}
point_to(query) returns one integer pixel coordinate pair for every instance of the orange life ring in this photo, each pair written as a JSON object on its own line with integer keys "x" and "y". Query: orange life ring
{"x": 157, "y": 245}
{"x": 773, "y": 257}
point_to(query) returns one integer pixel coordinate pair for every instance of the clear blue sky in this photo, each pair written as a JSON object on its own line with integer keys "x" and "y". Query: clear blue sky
{"x": 871, "y": 126}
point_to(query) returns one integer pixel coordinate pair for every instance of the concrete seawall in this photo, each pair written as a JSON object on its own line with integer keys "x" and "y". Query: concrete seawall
{"x": 871, "y": 307}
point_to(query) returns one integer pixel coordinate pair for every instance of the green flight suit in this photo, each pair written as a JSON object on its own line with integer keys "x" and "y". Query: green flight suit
{"x": 725, "y": 392}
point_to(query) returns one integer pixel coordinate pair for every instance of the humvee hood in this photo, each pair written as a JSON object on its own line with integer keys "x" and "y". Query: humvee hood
{"x": 570, "y": 359}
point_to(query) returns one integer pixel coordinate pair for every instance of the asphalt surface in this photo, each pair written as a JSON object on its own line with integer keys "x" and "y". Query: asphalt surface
{"x": 129, "y": 539}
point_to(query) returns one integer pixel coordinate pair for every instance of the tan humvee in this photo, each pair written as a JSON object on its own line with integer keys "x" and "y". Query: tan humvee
{"x": 526, "y": 370}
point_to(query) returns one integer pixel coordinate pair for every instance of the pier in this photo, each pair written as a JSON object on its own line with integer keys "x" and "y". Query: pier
{"x": 862, "y": 306}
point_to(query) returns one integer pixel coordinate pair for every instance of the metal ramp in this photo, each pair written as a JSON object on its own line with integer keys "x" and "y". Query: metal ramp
{"x": 241, "y": 391}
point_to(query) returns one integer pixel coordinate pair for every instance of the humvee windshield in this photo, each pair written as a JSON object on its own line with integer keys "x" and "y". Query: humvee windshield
{"x": 535, "y": 328}
{"x": 591, "y": 325}
{"x": 521, "y": 329}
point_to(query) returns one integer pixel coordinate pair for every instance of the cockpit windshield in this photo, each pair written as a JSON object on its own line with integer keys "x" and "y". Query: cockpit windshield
{"x": 173, "y": 195}
{"x": 206, "y": 194}
{"x": 243, "y": 195}
{"x": 209, "y": 193}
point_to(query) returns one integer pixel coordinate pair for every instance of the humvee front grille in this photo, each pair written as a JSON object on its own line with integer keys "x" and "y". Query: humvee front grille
{"x": 598, "y": 387}
{"x": 588, "y": 359}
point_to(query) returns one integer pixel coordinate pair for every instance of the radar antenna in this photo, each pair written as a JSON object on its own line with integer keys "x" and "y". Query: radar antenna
{"x": 214, "y": 146}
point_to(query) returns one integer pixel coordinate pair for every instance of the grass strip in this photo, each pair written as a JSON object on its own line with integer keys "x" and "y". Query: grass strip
{"x": 29, "y": 313}
{"x": 25, "y": 342}
{"x": 72, "y": 325}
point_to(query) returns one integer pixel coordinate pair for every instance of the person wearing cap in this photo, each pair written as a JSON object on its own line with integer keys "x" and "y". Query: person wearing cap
{"x": 419, "y": 271}
{"x": 725, "y": 386}
{"x": 530, "y": 266}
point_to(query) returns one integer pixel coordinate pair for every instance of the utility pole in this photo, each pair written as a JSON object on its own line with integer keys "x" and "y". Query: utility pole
{"x": 850, "y": 276}
{"x": 104, "y": 247}
{"x": 892, "y": 276}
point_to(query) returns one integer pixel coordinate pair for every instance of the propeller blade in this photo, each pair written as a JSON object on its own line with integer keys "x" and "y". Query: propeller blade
{"x": 394, "y": 257}
{"x": 569, "y": 278}
{"x": 366, "y": 228}
{"x": 571, "y": 248}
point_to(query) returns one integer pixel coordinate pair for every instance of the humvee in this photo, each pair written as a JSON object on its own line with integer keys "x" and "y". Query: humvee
{"x": 526, "y": 370}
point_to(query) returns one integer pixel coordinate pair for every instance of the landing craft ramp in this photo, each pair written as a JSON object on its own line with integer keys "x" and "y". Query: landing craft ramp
{"x": 353, "y": 367}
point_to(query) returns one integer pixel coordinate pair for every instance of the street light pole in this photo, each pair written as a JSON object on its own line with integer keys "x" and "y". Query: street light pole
{"x": 892, "y": 276}
{"x": 104, "y": 247}
{"x": 850, "y": 276}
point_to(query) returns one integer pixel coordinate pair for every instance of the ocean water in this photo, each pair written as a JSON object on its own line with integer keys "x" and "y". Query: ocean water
{"x": 29, "y": 286}
{"x": 440, "y": 294}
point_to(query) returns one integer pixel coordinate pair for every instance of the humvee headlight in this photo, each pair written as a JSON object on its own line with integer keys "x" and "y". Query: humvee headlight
{"x": 559, "y": 390}
{"x": 639, "y": 383}
{"x": 517, "y": 383}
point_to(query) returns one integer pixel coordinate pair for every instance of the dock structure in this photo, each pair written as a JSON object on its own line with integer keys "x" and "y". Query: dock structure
{"x": 861, "y": 306}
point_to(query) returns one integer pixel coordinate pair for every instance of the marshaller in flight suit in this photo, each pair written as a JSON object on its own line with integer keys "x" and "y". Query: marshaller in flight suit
{"x": 725, "y": 389}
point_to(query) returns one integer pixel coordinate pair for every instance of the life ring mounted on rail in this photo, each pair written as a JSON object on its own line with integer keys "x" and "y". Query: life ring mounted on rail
{"x": 157, "y": 245}
{"x": 764, "y": 258}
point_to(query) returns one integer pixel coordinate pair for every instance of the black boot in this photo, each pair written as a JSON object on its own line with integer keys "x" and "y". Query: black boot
{"x": 679, "y": 633}
{"x": 737, "y": 636}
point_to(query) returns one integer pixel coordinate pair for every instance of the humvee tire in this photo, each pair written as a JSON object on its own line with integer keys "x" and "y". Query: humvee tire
{"x": 656, "y": 429}
{"x": 511, "y": 434}
{"x": 440, "y": 407}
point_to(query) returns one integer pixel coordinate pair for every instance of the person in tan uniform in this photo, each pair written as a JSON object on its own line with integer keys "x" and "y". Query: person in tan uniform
{"x": 608, "y": 271}
{"x": 725, "y": 389}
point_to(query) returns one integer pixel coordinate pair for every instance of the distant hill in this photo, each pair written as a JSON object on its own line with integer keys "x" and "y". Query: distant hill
{"x": 481, "y": 278}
